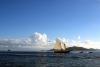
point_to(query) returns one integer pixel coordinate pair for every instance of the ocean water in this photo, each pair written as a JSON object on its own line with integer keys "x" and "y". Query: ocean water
{"x": 49, "y": 59}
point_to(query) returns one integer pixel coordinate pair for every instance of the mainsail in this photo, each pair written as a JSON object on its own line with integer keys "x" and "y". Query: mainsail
{"x": 59, "y": 45}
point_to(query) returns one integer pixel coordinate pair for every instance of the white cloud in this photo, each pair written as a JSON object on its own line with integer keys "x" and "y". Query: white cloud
{"x": 92, "y": 44}
{"x": 87, "y": 44}
{"x": 37, "y": 41}
{"x": 79, "y": 37}
{"x": 40, "y": 41}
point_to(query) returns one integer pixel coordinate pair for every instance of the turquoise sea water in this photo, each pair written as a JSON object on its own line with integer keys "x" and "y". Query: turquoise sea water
{"x": 49, "y": 59}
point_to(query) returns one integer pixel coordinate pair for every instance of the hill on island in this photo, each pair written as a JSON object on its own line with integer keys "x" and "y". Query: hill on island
{"x": 75, "y": 48}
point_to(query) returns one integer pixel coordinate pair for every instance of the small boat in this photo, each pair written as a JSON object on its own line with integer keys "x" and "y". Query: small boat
{"x": 60, "y": 47}
{"x": 90, "y": 52}
{"x": 81, "y": 52}
{"x": 9, "y": 50}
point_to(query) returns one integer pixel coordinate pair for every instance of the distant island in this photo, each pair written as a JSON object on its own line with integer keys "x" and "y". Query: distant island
{"x": 75, "y": 48}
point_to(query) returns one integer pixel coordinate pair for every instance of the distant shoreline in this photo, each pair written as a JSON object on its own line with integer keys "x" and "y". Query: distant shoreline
{"x": 51, "y": 50}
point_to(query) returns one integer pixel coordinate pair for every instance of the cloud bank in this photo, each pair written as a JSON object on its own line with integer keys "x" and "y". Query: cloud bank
{"x": 40, "y": 41}
{"x": 36, "y": 42}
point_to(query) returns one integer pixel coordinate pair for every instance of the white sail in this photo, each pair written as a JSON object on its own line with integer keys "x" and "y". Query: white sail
{"x": 58, "y": 45}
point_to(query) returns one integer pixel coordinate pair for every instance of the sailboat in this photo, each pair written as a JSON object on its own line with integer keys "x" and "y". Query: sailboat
{"x": 60, "y": 47}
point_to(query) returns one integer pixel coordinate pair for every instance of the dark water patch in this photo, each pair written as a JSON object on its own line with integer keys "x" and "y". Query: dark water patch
{"x": 49, "y": 59}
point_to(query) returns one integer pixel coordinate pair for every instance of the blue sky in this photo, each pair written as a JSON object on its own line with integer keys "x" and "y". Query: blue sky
{"x": 66, "y": 18}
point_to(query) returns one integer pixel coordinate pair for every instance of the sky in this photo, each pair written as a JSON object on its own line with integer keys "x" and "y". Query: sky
{"x": 56, "y": 18}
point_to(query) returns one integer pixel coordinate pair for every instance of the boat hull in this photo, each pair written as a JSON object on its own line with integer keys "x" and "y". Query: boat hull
{"x": 61, "y": 51}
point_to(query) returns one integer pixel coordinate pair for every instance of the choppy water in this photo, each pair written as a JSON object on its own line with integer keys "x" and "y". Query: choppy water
{"x": 49, "y": 59}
